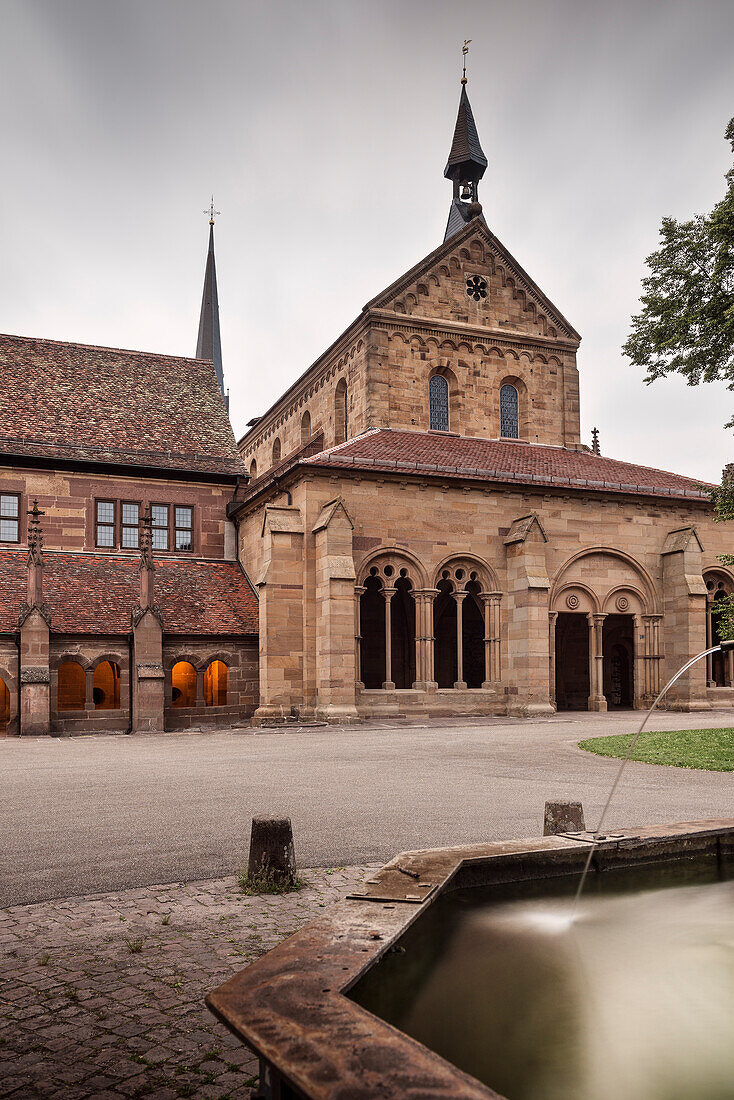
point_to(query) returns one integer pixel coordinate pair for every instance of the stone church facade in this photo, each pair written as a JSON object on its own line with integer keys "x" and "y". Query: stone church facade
{"x": 413, "y": 528}
{"x": 428, "y": 534}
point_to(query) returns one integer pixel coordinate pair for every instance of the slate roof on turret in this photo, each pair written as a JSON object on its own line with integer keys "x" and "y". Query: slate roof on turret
{"x": 108, "y": 406}
{"x": 440, "y": 454}
{"x": 466, "y": 145}
{"x": 96, "y": 593}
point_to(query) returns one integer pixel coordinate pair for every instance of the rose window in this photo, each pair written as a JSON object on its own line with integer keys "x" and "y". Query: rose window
{"x": 476, "y": 287}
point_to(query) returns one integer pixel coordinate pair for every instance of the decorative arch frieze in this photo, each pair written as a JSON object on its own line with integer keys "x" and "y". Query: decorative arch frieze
{"x": 389, "y": 563}
{"x": 573, "y": 572}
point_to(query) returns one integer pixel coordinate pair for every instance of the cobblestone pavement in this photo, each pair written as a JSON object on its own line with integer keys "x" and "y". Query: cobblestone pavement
{"x": 102, "y": 996}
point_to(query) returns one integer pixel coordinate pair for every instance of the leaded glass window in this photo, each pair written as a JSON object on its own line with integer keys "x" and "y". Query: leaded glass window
{"x": 9, "y": 517}
{"x": 509, "y": 426}
{"x": 105, "y": 523}
{"x": 130, "y": 525}
{"x": 184, "y": 525}
{"x": 438, "y": 404}
{"x": 159, "y": 517}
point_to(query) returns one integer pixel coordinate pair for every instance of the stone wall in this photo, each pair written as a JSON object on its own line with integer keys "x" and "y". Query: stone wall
{"x": 591, "y": 554}
{"x": 68, "y": 500}
{"x": 241, "y": 659}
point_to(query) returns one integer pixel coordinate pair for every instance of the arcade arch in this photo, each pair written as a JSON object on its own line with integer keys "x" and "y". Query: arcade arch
{"x": 719, "y": 666}
{"x": 604, "y": 632}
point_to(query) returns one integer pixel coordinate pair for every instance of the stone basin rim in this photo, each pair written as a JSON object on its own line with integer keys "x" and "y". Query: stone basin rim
{"x": 290, "y": 1005}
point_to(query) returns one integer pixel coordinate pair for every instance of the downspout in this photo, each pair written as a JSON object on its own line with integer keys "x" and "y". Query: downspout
{"x": 17, "y": 643}
{"x": 130, "y": 681}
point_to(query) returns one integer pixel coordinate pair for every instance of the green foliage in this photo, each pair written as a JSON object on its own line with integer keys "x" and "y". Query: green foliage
{"x": 687, "y": 319}
{"x": 709, "y": 750}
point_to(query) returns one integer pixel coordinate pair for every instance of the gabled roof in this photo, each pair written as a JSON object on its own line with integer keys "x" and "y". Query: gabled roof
{"x": 477, "y": 226}
{"x": 96, "y": 594}
{"x": 440, "y": 454}
{"x": 106, "y": 406}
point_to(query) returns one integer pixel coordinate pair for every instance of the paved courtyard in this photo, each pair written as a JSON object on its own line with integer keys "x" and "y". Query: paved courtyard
{"x": 102, "y": 996}
{"x": 88, "y": 814}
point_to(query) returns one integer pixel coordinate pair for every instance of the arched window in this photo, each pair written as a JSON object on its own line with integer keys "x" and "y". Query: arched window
{"x": 438, "y": 404}
{"x": 106, "y": 686}
{"x": 183, "y": 685}
{"x": 509, "y": 412}
{"x": 4, "y": 706}
{"x": 276, "y": 451}
{"x": 215, "y": 684}
{"x": 340, "y": 412}
{"x": 253, "y": 469}
{"x": 305, "y": 428}
{"x": 72, "y": 686}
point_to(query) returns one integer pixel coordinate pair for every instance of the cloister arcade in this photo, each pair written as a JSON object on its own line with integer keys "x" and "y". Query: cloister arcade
{"x": 604, "y": 633}
{"x": 719, "y": 666}
{"x": 415, "y": 634}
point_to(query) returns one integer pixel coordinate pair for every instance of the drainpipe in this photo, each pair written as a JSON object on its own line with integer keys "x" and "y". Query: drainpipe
{"x": 130, "y": 681}
{"x": 17, "y": 642}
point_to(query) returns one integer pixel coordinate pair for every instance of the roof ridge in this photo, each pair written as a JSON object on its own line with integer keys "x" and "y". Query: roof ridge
{"x": 101, "y": 347}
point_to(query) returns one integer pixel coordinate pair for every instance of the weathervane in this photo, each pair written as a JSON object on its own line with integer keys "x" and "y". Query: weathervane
{"x": 212, "y": 212}
{"x": 465, "y": 51}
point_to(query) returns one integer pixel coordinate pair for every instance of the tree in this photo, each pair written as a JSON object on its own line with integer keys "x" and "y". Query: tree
{"x": 686, "y": 325}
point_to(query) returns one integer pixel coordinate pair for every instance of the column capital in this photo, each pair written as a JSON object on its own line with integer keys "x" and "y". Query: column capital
{"x": 488, "y": 596}
{"x": 387, "y": 591}
{"x": 460, "y": 594}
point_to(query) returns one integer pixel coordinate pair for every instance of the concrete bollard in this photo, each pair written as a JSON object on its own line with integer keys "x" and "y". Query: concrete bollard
{"x": 562, "y": 816}
{"x": 271, "y": 850}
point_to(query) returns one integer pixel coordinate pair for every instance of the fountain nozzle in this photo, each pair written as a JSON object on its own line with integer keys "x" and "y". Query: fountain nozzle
{"x": 727, "y": 647}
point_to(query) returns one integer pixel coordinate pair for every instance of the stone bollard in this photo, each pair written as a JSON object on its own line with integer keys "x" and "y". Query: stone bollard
{"x": 271, "y": 850}
{"x": 562, "y": 816}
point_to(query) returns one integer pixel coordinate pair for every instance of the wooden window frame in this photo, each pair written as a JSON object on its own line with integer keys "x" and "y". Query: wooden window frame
{"x": 138, "y": 504}
{"x": 115, "y": 512}
{"x": 177, "y": 549}
{"x": 16, "y": 518}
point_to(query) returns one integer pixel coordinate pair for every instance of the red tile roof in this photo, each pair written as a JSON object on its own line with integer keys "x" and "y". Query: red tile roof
{"x": 442, "y": 454}
{"x": 96, "y": 593}
{"x": 104, "y": 405}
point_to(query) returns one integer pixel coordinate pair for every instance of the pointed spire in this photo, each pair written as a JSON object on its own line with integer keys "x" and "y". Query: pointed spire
{"x": 208, "y": 345}
{"x": 466, "y": 165}
{"x": 35, "y": 556}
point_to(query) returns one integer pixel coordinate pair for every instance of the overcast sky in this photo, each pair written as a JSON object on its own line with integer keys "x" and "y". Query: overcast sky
{"x": 323, "y": 129}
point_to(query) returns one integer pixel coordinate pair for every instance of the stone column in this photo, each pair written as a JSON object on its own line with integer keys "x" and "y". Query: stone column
{"x": 359, "y": 591}
{"x": 650, "y": 679}
{"x": 149, "y": 697}
{"x": 336, "y": 672}
{"x": 88, "y": 690}
{"x": 528, "y": 654}
{"x": 709, "y": 642}
{"x": 388, "y": 591}
{"x": 597, "y": 698}
{"x": 280, "y": 589}
{"x": 423, "y": 639}
{"x": 460, "y": 596}
{"x": 684, "y": 596}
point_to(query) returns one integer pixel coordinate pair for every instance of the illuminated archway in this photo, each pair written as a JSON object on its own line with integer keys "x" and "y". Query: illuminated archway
{"x": 106, "y": 686}
{"x": 215, "y": 684}
{"x": 72, "y": 686}
{"x": 183, "y": 684}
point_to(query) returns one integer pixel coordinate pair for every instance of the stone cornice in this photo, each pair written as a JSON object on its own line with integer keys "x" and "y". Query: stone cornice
{"x": 450, "y": 330}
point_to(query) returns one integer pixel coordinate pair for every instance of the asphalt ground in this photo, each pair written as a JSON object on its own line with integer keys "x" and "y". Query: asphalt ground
{"x": 102, "y": 813}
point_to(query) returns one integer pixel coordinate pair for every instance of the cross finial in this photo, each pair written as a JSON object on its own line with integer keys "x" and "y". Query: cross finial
{"x": 595, "y": 441}
{"x": 465, "y": 51}
{"x": 212, "y": 212}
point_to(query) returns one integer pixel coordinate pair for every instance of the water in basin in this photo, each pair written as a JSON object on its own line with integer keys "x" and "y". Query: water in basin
{"x": 631, "y": 995}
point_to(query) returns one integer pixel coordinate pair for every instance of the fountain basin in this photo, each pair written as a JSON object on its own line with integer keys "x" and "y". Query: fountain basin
{"x": 320, "y": 1009}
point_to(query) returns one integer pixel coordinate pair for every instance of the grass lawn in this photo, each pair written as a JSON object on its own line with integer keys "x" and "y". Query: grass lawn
{"x": 712, "y": 750}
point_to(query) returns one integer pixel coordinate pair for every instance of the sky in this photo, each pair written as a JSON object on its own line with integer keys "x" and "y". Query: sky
{"x": 322, "y": 129}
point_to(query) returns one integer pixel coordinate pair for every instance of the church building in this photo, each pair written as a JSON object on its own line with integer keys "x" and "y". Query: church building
{"x": 414, "y": 528}
{"x": 426, "y": 531}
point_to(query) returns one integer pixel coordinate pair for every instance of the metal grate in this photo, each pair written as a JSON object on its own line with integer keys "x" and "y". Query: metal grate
{"x": 438, "y": 404}
{"x": 509, "y": 426}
